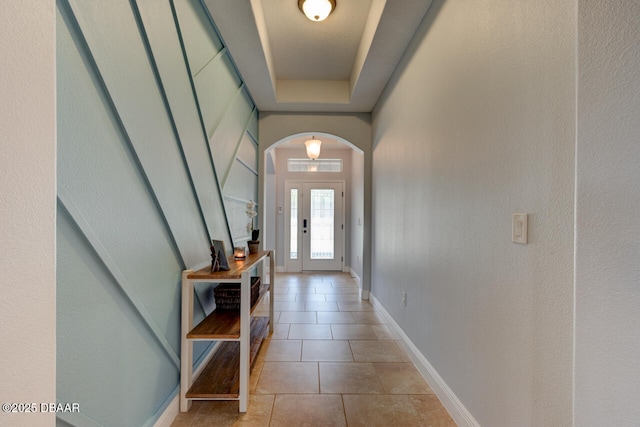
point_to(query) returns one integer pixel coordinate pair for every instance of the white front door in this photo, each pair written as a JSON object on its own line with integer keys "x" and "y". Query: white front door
{"x": 315, "y": 225}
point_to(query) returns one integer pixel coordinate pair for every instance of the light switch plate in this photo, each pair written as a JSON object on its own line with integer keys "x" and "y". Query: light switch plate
{"x": 519, "y": 228}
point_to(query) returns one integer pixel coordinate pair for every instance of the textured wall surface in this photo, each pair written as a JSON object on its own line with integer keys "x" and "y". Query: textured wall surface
{"x": 607, "y": 370}
{"x": 478, "y": 123}
{"x": 27, "y": 209}
{"x": 157, "y": 155}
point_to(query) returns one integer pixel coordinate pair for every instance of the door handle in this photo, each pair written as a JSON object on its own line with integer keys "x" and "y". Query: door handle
{"x": 304, "y": 223}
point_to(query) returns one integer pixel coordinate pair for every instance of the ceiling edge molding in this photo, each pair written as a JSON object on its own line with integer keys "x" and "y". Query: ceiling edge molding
{"x": 389, "y": 28}
{"x": 263, "y": 34}
{"x": 396, "y": 28}
{"x": 245, "y": 46}
{"x": 373, "y": 20}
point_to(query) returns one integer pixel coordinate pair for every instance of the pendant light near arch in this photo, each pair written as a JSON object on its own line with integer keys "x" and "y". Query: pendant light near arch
{"x": 313, "y": 147}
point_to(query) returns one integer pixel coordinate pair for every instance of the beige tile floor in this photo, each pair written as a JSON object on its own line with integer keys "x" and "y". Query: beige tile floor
{"x": 331, "y": 361}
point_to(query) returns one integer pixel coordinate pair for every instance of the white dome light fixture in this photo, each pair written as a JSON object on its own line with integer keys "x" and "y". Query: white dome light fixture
{"x": 317, "y": 10}
{"x": 313, "y": 147}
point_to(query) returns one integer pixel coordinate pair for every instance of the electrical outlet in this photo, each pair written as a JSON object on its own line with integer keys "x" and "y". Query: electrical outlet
{"x": 404, "y": 299}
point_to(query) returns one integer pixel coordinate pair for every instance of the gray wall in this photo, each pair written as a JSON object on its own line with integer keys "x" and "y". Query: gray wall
{"x": 607, "y": 343}
{"x": 157, "y": 155}
{"x": 477, "y": 123}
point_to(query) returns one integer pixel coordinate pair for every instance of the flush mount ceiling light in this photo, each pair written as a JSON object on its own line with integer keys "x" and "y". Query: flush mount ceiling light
{"x": 317, "y": 10}
{"x": 313, "y": 147}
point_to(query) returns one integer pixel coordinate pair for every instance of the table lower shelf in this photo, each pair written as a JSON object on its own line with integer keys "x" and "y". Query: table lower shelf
{"x": 220, "y": 379}
{"x": 223, "y": 324}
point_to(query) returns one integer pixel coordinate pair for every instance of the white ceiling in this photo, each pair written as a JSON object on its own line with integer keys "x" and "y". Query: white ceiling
{"x": 338, "y": 65}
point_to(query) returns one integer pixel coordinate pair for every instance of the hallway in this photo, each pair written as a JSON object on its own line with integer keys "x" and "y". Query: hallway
{"x": 331, "y": 361}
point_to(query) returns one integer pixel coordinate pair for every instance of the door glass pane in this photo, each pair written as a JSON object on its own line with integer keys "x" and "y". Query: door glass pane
{"x": 293, "y": 241}
{"x": 322, "y": 226}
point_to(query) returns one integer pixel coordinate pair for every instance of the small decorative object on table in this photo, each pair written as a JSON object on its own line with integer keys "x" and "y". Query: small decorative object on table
{"x": 255, "y": 233}
{"x": 218, "y": 256}
{"x": 254, "y": 243}
{"x": 215, "y": 264}
{"x": 239, "y": 253}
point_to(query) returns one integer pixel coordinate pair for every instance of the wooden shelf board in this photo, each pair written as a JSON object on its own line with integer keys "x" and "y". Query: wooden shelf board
{"x": 223, "y": 324}
{"x": 220, "y": 324}
{"x": 220, "y": 379}
{"x": 260, "y": 330}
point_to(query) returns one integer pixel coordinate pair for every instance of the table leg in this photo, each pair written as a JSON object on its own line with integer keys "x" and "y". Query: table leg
{"x": 245, "y": 339}
{"x": 272, "y": 283}
{"x": 186, "y": 348}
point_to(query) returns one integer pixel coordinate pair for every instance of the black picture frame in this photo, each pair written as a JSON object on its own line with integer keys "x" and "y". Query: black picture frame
{"x": 217, "y": 248}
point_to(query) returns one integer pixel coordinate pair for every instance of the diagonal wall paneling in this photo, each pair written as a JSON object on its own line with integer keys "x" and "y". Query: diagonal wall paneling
{"x": 227, "y": 112}
{"x": 139, "y": 194}
{"x": 138, "y": 100}
{"x": 228, "y": 135}
{"x": 164, "y": 41}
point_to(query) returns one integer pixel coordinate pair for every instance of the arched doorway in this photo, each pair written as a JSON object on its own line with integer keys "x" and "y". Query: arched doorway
{"x": 327, "y": 194}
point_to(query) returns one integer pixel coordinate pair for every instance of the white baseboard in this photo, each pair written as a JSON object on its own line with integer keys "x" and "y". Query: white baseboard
{"x": 454, "y": 406}
{"x": 170, "y": 413}
{"x": 173, "y": 409}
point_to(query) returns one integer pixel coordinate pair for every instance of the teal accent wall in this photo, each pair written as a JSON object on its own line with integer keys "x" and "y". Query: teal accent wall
{"x": 157, "y": 155}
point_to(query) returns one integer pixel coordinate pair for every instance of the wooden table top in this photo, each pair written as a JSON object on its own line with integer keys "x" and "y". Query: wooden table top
{"x": 236, "y": 268}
